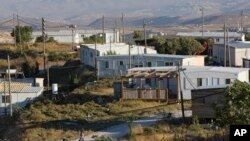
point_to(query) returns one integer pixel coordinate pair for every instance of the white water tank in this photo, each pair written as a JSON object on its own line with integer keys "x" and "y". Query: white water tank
{"x": 54, "y": 88}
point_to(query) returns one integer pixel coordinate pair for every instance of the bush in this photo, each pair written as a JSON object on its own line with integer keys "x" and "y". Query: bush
{"x": 55, "y": 56}
{"x": 30, "y": 67}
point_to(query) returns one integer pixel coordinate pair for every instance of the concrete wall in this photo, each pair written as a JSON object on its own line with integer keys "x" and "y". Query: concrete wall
{"x": 115, "y": 69}
{"x": 236, "y": 55}
{"x": 19, "y": 100}
{"x": 210, "y": 79}
{"x": 194, "y": 61}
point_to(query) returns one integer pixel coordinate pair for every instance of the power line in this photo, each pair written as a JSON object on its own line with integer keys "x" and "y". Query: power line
{"x": 7, "y": 21}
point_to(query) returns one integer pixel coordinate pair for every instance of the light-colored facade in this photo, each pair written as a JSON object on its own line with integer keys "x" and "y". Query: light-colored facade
{"x": 195, "y": 77}
{"x": 21, "y": 95}
{"x": 117, "y": 65}
{"x": 238, "y": 50}
{"x": 65, "y": 36}
{"x": 87, "y": 51}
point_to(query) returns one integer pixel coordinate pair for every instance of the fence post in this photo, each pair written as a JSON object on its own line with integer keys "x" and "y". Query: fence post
{"x": 122, "y": 94}
{"x": 166, "y": 95}
{"x": 140, "y": 90}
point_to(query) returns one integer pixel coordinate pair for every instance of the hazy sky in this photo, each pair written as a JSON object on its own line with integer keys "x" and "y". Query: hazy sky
{"x": 91, "y": 9}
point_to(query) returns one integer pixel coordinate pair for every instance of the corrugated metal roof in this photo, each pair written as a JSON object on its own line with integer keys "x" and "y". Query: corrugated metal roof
{"x": 119, "y": 48}
{"x": 154, "y": 55}
{"x": 31, "y": 89}
{"x": 209, "y": 34}
{"x": 239, "y": 44}
{"x": 69, "y": 32}
{"x": 198, "y": 69}
{"x": 17, "y": 87}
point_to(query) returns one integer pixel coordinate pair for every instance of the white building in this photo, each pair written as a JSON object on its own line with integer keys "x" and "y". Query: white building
{"x": 217, "y": 36}
{"x": 117, "y": 65}
{"x": 87, "y": 51}
{"x": 65, "y": 36}
{"x": 238, "y": 50}
{"x": 21, "y": 94}
{"x": 192, "y": 78}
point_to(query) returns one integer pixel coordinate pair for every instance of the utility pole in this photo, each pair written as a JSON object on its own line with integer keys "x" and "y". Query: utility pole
{"x": 225, "y": 47}
{"x": 145, "y": 34}
{"x": 145, "y": 38}
{"x": 48, "y": 73}
{"x": 114, "y": 31}
{"x": 110, "y": 44}
{"x": 95, "y": 58}
{"x": 228, "y": 48}
{"x": 241, "y": 22}
{"x": 102, "y": 29}
{"x": 129, "y": 55}
{"x": 5, "y": 98}
{"x": 123, "y": 34}
{"x": 179, "y": 69}
{"x": 9, "y": 86}
{"x": 72, "y": 30}
{"x": 20, "y": 38}
{"x": 14, "y": 29}
{"x": 44, "y": 36}
{"x": 202, "y": 13}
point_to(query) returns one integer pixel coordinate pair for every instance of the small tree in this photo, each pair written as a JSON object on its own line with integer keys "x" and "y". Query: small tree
{"x": 110, "y": 53}
{"x": 138, "y": 34}
{"x": 23, "y": 34}
{"x": 131, "y": 118}
{"x": 30, "y": 67}
{"x": 236, "y": 108}
{"x": 92, "y": 39}
{"x": 247, "y": 36}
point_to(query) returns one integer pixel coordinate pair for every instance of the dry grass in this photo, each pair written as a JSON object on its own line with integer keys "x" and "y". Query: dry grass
{"x": 41, "y": 134}
{"x": 137, "y": 130}
{"x": 154, "y": 137}
{"x": 103, "y": 91}
{"x": 167, "y": 131}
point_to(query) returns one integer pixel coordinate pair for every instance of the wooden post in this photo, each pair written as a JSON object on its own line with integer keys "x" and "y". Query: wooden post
{"x": 140, "y": 90}
{"x": 158, "y": 91}
{"x": 177, "y": 89}
{"x": 122, "y": 94}
{"x": 166, "y": 95}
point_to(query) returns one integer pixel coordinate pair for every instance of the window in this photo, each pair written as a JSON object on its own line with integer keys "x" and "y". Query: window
{"x": 6, "y": 99}
{"x": 216, "y": 81}
{"x": 160, "y": 63}
{"x": 149, "y": 64}
{"x": 148, "y": 81}
{"x": 217, "y": 39}
{"x": 91, "y": 54}
{"x": 121, "y": 63}
{"x": 199, "y": 82}
{"x": 106, "y": 64}
{"x": 228, "y": 81}
{"x": 169, "y": 63}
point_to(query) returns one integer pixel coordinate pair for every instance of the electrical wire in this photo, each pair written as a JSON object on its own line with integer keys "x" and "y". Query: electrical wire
{"x": 4, "y": 22}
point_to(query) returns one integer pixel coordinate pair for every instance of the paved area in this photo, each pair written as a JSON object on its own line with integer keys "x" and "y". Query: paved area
{"x": 121, "y": 130}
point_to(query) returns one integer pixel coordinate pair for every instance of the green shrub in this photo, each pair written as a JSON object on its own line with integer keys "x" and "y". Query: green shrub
{"x": 30, "y": 67}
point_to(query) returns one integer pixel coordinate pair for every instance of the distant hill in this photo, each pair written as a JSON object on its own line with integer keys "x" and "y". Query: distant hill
{"x": 84, "y": 12}
{"x": 232, "y": 20}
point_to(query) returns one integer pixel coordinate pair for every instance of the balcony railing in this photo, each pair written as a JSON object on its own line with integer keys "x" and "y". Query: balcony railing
{"x": 146, "y": 94}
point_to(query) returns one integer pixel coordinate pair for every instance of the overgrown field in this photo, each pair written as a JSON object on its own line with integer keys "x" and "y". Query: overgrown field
{"x": 56, "y": 52}
{"x": 63, "y": 119}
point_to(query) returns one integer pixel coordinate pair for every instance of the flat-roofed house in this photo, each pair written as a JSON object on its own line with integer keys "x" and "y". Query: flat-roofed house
{"x": 117, "y": 65}
{"x": 191, "y": 78}
{"x": 21, "y": 95}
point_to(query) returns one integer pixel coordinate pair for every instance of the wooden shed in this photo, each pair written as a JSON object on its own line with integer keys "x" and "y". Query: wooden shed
{"x": 147, "y": 93}
{"x": 204, "y": 100}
